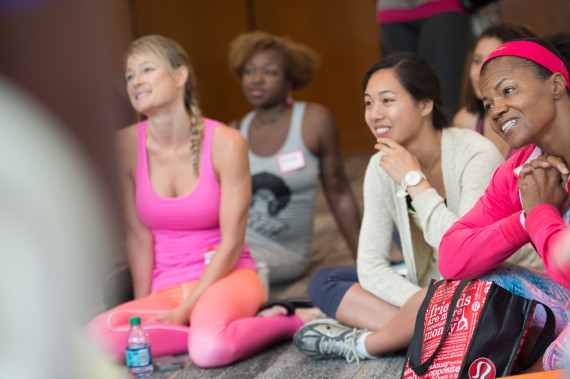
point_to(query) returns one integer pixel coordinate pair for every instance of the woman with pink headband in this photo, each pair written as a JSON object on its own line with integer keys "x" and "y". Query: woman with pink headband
{"x": 525, "y": 88}
{"x": 472, "y": 115}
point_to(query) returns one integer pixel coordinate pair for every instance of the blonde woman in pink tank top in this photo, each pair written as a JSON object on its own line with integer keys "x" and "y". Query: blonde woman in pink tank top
{"x": 187, "y": 190}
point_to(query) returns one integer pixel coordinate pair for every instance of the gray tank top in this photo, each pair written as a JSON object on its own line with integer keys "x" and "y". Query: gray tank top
{"x": 284, "y": 186}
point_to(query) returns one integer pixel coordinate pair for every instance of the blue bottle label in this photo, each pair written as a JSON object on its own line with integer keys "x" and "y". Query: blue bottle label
{"x": 138, "y": 355}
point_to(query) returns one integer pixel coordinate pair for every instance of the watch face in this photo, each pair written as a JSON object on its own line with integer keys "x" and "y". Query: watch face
{"x": 413, "y": 178}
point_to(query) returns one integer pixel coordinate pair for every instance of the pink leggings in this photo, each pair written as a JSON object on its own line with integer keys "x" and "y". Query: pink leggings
{"x": 222, "y": 329}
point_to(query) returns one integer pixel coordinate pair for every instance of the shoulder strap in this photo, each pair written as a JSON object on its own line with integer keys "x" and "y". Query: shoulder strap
{"x": 245, "y": 123}
{"x": 295, "y": 134}
{"x": 547, "y": 335}
{"x": 206, "y": 162}
{"x": 297, "y": 115}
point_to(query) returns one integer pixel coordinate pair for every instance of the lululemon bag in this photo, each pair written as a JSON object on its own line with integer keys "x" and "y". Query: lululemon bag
{"x": 472, "y": 329}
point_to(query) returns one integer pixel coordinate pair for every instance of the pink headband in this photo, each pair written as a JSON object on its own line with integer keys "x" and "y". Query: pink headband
{"x": 534, "y": 52}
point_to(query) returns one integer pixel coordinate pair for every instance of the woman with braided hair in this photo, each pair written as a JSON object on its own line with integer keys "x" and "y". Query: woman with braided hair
{"x": 187, "y": 191}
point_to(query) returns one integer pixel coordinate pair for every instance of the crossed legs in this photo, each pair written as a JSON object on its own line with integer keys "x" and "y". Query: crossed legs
{"x": 222, "y": 329}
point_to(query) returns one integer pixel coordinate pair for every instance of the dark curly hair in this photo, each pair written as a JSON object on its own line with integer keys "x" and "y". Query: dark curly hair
{"x": 300, "y": 60}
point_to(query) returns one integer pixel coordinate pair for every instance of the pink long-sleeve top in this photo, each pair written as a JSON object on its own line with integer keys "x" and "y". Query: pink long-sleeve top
{"x": 493, "y": 229}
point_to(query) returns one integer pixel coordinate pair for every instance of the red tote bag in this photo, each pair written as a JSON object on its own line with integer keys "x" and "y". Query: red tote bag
{"x": 472, "y": 329}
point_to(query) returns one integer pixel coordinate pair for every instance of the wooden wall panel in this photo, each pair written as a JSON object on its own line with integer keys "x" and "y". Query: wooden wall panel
{"x": 545, "y": 16}
{"x": 60, "y": 55}
{"x": 344, "y": 34}
{"x": 204, "y": 29}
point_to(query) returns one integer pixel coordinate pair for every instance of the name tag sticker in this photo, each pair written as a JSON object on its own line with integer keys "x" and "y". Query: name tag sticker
{"x": 292, "y": 161}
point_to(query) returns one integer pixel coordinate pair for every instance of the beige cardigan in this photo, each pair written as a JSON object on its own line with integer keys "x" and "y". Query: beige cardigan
{"x": 468, "y": 163}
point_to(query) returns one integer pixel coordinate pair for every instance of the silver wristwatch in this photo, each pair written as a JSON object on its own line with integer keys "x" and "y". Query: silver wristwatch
{"x": 412, "y": 178}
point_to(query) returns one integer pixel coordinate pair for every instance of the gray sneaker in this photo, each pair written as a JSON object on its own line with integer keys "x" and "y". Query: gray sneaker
{"x": 327, "y": 338}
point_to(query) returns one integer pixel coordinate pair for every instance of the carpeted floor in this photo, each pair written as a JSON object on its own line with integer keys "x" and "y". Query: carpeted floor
{"x": 283, "y": 360}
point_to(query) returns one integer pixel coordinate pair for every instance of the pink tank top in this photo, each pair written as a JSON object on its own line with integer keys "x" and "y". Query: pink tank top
{"x": 186, "y": 228}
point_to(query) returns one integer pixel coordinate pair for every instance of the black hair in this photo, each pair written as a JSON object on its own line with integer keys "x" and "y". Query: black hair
{"x": 561, "y": 42}
{"x": 504, "y": 32}
{"x": 418, "y": 78}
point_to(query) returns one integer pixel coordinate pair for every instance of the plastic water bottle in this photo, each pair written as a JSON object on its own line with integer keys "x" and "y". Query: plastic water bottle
{"x": 139, "y": 361}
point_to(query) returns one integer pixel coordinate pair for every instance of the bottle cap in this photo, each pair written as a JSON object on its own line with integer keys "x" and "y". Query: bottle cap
{"x": 135, "y": 321}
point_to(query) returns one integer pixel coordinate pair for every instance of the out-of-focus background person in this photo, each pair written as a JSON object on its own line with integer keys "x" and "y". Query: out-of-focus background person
{"x": 53, "y": 230}
{"x": 59, "y": 107}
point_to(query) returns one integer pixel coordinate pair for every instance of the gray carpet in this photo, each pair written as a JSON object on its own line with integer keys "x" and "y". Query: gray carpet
{"x": 283, "y": 360}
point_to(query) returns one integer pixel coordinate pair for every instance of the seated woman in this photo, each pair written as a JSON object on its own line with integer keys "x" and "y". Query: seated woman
{"x": 424, "y": 177}
{"x": 186, "y": 191}
{"x": 472, "y": 115}
{"x": 291, "y": 146}
{"x": 526, "y": 92}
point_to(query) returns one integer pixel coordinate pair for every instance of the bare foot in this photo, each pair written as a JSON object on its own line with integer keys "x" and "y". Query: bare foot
{"x": 309, "y": 314}
{"x": 305, "y": 314}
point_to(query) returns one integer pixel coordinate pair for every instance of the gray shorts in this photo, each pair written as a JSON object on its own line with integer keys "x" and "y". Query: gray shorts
{"x": 284, "y": 264}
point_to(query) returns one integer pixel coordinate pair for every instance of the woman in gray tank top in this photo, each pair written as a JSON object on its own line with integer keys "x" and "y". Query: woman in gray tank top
{"x": 291, "y": 146}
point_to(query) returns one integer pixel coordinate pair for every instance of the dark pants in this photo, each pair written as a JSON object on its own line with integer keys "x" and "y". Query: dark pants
{"x": 443, "y": 40}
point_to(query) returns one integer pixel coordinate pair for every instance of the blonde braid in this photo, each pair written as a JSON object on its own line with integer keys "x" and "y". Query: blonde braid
{"x": 196, "y": 134}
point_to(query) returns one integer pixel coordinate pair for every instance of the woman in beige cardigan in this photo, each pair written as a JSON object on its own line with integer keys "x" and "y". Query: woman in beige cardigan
{"x": 423, "y": 178}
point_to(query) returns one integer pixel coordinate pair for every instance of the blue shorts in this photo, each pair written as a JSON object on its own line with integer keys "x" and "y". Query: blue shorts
{"x": 328, "y": 286}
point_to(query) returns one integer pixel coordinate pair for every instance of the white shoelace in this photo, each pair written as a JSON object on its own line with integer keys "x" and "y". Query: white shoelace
{"x": 347, "y": 347}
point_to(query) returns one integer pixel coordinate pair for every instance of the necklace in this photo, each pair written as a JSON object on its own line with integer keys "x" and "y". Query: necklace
{"x": 268, "y": 121}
